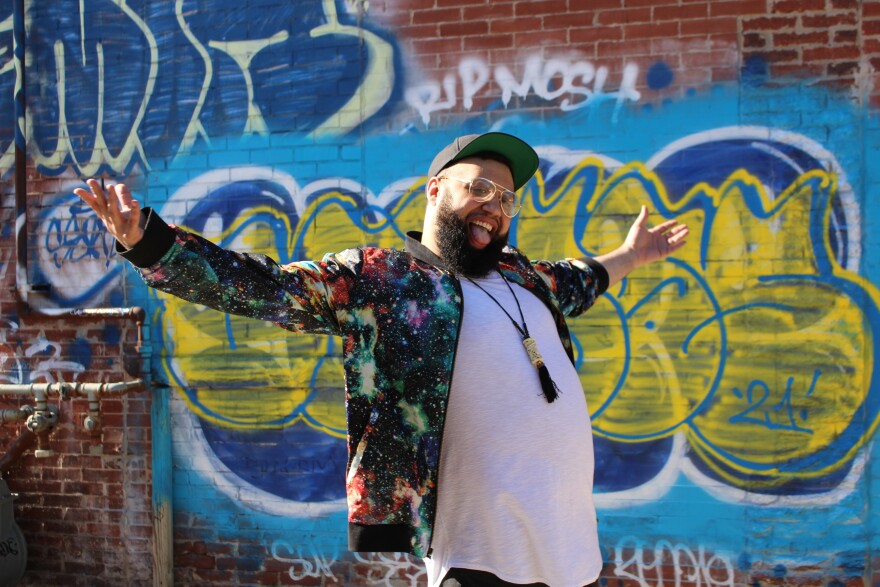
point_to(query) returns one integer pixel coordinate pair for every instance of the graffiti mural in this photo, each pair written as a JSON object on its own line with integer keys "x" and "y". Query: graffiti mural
{"x": 691, "y": 316}
{"x": 738, "y": 375}
{"x": 116, "y": 83}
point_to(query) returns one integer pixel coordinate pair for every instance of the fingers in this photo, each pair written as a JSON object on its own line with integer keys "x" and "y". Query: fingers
{"x": 114, "y": 202}
{"x": 663, "y": 227}
{"x": 94, "y": 198}
{"x": 675, "y": 233}
{"x": 677, "y": 237}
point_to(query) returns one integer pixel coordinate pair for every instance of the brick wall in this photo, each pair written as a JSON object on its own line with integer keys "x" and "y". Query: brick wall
{"x": 267, "y": 127}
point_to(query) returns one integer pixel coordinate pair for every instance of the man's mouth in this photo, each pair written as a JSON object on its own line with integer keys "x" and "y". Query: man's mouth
{"x": 480, "y": 232}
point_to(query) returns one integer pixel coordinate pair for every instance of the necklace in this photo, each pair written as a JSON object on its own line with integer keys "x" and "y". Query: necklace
{"x": 551, "y": 391}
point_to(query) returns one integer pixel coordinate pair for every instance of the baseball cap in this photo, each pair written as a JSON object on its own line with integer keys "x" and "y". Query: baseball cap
{"x": 523, "y": 159}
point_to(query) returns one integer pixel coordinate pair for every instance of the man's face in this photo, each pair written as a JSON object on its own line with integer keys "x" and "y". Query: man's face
{"x": 471, "y": 234}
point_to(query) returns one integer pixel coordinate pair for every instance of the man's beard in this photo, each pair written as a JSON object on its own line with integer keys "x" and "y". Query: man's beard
{"x": 455, "y": 249}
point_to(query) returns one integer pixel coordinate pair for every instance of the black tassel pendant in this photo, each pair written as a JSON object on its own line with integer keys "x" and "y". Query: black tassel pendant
{"x": 548, "y": 386}
{"x": 551, "y": 392}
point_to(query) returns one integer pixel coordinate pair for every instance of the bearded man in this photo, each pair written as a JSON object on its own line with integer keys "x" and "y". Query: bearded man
{"x": 468, "y": 431}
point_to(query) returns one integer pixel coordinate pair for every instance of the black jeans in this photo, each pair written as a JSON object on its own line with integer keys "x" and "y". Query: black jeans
{"x": 471, "y": 578}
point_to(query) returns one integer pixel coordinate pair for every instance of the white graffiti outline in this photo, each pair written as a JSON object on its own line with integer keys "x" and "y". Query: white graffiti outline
{"x": 396, "y": 564}
{"x": 242, "y": 53}
{"x": 303, "y": 565}
{"x": 549, "y": 80}
{"x": 690, "y": 568}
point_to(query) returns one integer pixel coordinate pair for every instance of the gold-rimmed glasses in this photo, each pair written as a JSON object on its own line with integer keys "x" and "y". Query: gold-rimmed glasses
{"x": 483, "y": 190}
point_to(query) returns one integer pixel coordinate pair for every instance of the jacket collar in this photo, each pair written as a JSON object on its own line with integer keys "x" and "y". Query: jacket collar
{"x": 415, "y": 248}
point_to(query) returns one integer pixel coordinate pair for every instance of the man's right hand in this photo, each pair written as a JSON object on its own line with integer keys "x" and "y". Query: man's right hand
{"x": 119, "y": 212}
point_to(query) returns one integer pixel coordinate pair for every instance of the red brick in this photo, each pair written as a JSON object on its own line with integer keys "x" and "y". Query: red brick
{"x": 575, "y": 20}
{"x": 464, "y": 3}
{"x": 612, "y": 17}
{"x": 680, "y": 12}
{"x": 448, "y": 62}
{"x": 871, "y": 27}
{"x": 595, "y": 34}
{"x": 703, "y": 26}
{"x": 110, "y": 530}
{"x": 797, "y": 6}
{"x": 824, "y": 21}
{"x": 509, "y": 25}
{"x": 754, "y": 40}
{"x": 846, "y": 68}
{"x": 738, "y": 7}
{"x": 196, "y": 561}
{"x": 845, "y": 36}
{"x": 870, "y": 9}
{"x": 437, "y": 15}
{"x": 275, "y": 578}
{"x": 624, "y": 49}
{"x": 847, "y": 4}
{"x": 725, "y": 74}
{"x": 438, "y": 46}
{"x": 414, "y": 31}
{"x": 210, "y": 577}
{"x": 474, "y": 27}
{"x": 483, "y": 43}
{"x": 831, "y": 54}
{"x": 779, "y": 56}
{"x": 488, "y": 11}
{"x": 769, "y": 23}
{"x": 538, "y": 7}
{"x": 783, "y": 70}
{"x": 59, "y": 527}
{"x": 789, "y": 39}
{"x": 651, "y": 31}
{"x": 83, "y": 569}
{"x": 635, "y": 3}
{"x": 525, "y": 40}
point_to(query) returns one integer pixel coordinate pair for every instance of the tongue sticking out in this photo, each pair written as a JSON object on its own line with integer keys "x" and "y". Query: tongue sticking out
{"x": 479, "y": 235}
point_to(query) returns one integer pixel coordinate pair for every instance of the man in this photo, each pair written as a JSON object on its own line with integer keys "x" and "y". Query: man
{"x": 456, "y": 342}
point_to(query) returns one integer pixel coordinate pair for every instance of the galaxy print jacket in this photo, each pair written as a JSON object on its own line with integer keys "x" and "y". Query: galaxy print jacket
{"x": 399, "y": 314}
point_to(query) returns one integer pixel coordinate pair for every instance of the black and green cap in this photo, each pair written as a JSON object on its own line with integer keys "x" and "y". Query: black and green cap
{"x": 523, "y": 159}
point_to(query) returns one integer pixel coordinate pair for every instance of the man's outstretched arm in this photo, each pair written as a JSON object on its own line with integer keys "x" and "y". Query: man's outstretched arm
{"x": 297, "y": 296}
{"x": 643, "y": 245}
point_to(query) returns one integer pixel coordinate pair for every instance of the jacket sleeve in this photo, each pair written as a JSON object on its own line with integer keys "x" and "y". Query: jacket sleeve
{"x": 576, "y": 283}
{"x": 299, "y": 296}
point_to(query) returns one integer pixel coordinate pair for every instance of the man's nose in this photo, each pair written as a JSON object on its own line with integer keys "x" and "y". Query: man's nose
{"x": 493, "y": 203}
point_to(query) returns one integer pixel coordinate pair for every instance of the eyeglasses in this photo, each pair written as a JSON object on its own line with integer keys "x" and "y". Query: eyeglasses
{"x": 483, "y": 190}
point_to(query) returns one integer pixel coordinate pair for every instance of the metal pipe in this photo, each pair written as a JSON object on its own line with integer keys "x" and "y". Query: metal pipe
{"x": 42, "y": 420}
{"x": 41, "y": 391}
{"x": 43, "y": 417}
{"x": 15, "y": 414}
{"x": 92, "y": 421}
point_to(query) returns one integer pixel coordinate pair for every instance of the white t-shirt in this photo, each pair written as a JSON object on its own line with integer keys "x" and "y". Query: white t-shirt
{"x": 516, "y": 473}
